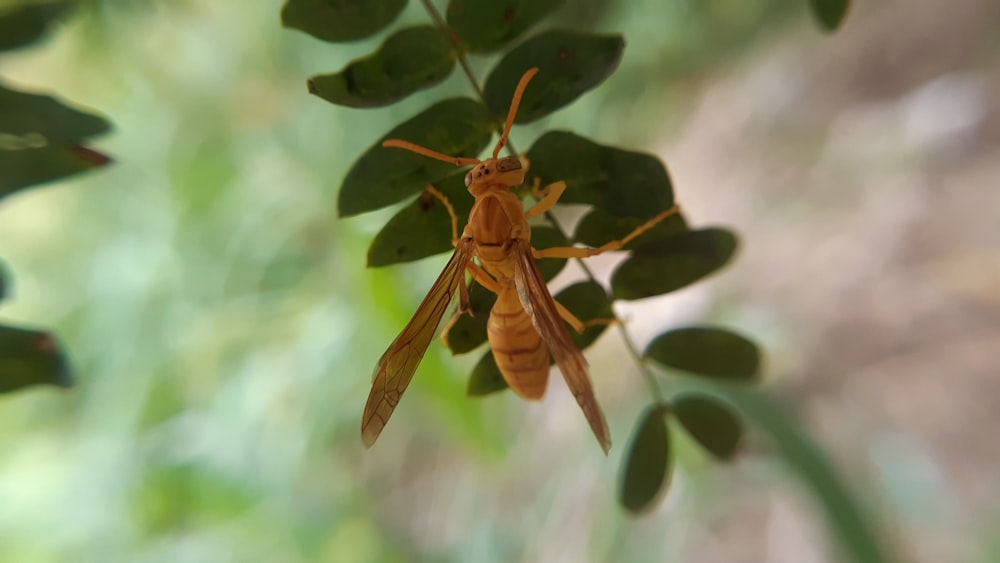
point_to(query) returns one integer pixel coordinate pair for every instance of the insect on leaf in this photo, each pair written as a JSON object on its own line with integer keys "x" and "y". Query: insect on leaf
{"x": 410, "y": 60}
{"x": 383, "y": 176}
{"x": 709, "y": 352}
{"x": 830, "y": 13}
{"x": 621, "y": 183}
{"x": 570, "y": 63}
{"x": 668, "y": 265}
{"x": 647, "y": 462}
{"x": 23, "y": 24}
{"x": 29, "y": 357}
{"x": 485, "y": 26}
{"x": 711, "y": 423}
{"x": 423, "y": 227}
{"x": 340, "y": 20}
{"x": 486, "y": 377}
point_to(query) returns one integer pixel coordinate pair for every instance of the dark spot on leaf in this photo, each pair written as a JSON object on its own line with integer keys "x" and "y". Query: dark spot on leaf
{"x": 508, "y": 14}
{"x": 400, "y": 250}
{"x": 426, "y": 201}
{"x": 91, "y": 156}
{"x": 45, "y": 344}
{"x": 563, "y": 54}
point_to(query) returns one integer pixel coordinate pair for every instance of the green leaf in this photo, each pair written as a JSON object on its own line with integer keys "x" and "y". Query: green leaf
{"x": 619, "y": 182}
{"x": 412, "y": 59}
{"x": 469, "y": 332}
{"x": 843, "y": 513}
{"x": 33, "y": 121}
{"x": 569, "y": 63}
{"x": 23, "y": 168}
{"x": 544, "y": 236}
{"x": 486, "y": 377}
{"x": 672, "y": 264}
{"x": 423, "y": 227}
{"x": 340, "y": 20}
{"x": 709, "y": 352}
{"x": 23, "y": 24}
{"x": 4, "y": 281}
{"x": 588, "y": 301}
{"x": 383, "y": 176}
{"x": 485, "y": 26}
{"x": 29, "y": 357}
{"x": 830, "y": 13}
{"x": 600, "y": 227}
{"x": 711, "y": 423}
{"x": 648, "y": 462}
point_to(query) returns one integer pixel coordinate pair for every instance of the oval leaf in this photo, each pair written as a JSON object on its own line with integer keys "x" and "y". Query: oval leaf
{"x": 383, "y": 176}
{"x": 33, "y": 121}
{"x": 569, "y": 63}
{"x": 410, "y": 60}
{"x": 28, "y": 357}
{"x": 588, "y": 301}
{"x": 709, "y": 352}
{"x": 619, "y": 182}
{"x": 26, "y": 23}
{"x": 484, "y": 26}
{"x": 340, "y": 20}
{"x": 23, "y": 168}
{"x": 469, "y": 331}
{"x": 830, "y": 13}
{"x": 673, "y": 263}
{"x": 647, "y": 469}
{"x": 486, "y": 377}
{"x": 600, "y": 227}
{"x": 711, "y": 423}
{"x": 422, "y": 228}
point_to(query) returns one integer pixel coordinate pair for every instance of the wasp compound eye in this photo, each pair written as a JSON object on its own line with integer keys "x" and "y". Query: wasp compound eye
{"x": 508, "y": 164}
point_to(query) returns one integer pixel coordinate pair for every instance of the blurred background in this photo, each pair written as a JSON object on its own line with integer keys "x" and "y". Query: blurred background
{"x": 223, "y": 326}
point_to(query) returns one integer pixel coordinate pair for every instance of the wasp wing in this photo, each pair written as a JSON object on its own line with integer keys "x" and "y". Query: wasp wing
{"x": 540, "y": 306}
{"x": 396, "y": 366}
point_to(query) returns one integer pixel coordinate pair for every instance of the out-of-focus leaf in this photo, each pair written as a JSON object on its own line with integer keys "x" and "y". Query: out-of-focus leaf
{"x": 544, "y": 236}
{"x": 422, "y": 228}
{"x": 469, "y": 332}
{"x": 383, "y": 176}
{"x": 569, "y": 63}
{"x": 4, "y": 282}
{"x": 484, "y": 26}
{"x": 22, "y": 168}
{"x": 621, "y": 183}
{"x": 599, "y": 227}
{"x": 711, "y": 423}
{"x": 33, "y": 121}
{"x": 588, "y": 301}
{"x": 340, "y": 20}
{"x": 648, "y": 462}
{"x": 830, "y": 13}
{"x": 843, "y": 513}
{"x": 709, "y": 352}
{"x": 410, "y": 60}
{"x": 673, "y": 263}
{"x": 29, "y": 357}
{"x": 486, "y": 377}
{"x": 23, "y": 24}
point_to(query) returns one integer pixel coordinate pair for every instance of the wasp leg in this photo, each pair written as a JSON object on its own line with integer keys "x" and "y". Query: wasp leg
{"x": 583, "y": 252}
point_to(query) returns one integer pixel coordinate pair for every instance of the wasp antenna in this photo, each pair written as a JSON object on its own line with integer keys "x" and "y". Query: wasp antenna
{"x": 424, "y": 151}
{"x": 514, "y": 104}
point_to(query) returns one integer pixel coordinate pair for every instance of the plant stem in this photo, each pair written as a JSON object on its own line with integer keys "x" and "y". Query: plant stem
{"x": 644, "y": 370}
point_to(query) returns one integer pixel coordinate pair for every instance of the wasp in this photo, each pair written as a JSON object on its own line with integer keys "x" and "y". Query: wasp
{"x": 525, "y": 325}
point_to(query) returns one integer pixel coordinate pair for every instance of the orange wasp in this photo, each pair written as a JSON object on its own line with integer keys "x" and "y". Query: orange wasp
{"x": 526, "y": 323}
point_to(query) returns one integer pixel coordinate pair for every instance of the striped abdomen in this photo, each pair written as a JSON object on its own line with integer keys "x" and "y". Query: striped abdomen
{"x": 520, "y": 354}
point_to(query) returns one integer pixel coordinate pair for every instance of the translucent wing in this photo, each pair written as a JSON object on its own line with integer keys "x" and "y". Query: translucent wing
{"x": 396, "y": 367}
{"x": 538, "y": 302}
